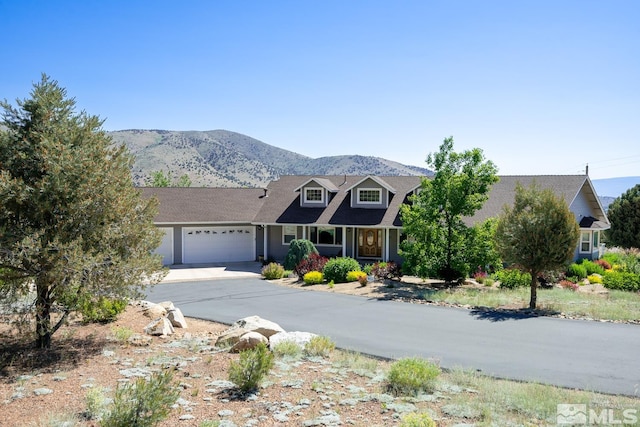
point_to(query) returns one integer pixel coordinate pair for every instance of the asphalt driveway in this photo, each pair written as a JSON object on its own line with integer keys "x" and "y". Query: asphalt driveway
{"x": 590, "y": 355}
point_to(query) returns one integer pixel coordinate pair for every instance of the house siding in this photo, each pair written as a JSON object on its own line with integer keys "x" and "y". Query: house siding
{"x": 369, "y": 184}
{"x": 325, "y": 196}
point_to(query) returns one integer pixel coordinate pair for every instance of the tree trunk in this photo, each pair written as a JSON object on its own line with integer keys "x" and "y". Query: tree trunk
{"x": 534, "y": 289}
{"x": 43, "y": 315}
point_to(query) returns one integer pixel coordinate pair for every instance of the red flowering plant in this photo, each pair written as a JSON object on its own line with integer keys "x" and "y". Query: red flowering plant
{"x": 480, "y": 275}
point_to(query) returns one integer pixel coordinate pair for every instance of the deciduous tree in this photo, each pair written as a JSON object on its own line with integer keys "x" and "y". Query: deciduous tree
{"x": 162, "y": 179}
{"x": 537, "y": 233}
{"x": 624, "y": 215}
{"x": 72, "y": 225}
{"x": 433, "y": 218}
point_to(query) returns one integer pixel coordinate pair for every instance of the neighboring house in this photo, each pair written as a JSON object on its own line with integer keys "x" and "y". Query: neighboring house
{"x": 356, "y": 216}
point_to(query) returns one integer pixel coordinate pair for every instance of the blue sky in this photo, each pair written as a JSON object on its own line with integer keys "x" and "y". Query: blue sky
{"x": 542, "y": 87}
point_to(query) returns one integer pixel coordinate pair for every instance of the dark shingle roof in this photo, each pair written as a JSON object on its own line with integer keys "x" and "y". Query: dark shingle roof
{"x": 206, "y": 205}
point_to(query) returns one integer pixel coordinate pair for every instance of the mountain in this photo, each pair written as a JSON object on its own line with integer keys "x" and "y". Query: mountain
{"x": 609, "y": 189}
{"x": 221, "y": 158}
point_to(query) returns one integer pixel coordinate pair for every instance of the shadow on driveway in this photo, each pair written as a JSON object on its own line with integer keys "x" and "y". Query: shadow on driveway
{"x": 501, "y": 315}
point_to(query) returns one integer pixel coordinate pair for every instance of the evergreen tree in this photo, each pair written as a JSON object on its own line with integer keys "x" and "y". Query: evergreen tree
{"x": 72, "y": 225}
{"x": 538, "y": 233}
{"x": 624, "y": 215}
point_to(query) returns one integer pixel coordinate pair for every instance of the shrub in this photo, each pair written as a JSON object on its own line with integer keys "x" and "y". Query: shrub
{"x": 299, "y": 249}
{"x": 621, "y": 280}
{"x": 411, "y": 376}
{"x": 143, "y": 403}
{"x": 356, "y": 276}
{"x": 592, "y": 267}
{"x": 480, "y": 275}
{"x": 287, "y": 348}
{"x": 415, "y": 419}
{"x": 577, "y": 270}
{"x": 313, "y": 278}
{"x": 549, "y": 277}
{"x": 386, "y": 270}
{"x": 95, "y": 402}
{"x": 319, "y": 346}
{"x": 568, "y": 284}
{"x": 594, "y": 278}
{"x": 512, "y": 278}
{"x": 603, "y": 263}
{"x": 101, "y": 309}
{"x": 336, "y": 269}
{"x": 253, "y": 366}
{"x": 314, "y": 262}
{"x": 367, "y": 269}
{"x": 273, "y": 271}
{"x": 363, "y": 279}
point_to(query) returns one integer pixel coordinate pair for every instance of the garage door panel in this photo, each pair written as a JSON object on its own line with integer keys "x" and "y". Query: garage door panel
{"x": 166, "y": 246}
{"x": 218, "y": 244}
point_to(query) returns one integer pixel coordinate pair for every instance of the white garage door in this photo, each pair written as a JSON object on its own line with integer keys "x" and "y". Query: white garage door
{"x": 166, "y": 247}
{"x": 217, "y": 244}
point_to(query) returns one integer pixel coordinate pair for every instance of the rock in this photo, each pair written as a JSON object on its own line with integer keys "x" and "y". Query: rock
{"x": 300, "y": 338}
{"x": 176, "y": 318}
{"x": 42, "y": 391}
{"x": 248, "y": 341}
{"x": 139, "y": 340}
{"x": 167, "y": 305}
{"x": 161, "y": 326}
{"x": 230, "y": 337}
{"x": 151, "y": 310}
{"x": 258, "y": 324}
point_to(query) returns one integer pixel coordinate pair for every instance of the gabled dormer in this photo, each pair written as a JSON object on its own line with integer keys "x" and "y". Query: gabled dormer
{"x": 371, "y": 192}
{"x": 316, "y": 193}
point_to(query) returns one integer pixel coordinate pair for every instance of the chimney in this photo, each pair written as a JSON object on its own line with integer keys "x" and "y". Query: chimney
{"x": 587, "y": 170}
{"x": 266, "y": 192}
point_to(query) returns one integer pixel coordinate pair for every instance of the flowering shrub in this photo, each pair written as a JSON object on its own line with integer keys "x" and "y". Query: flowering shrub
{"x": 568, "y": 284}
{"x": 594, "y": 278}
{"x": 313, "y": 278}
{"x": 314, "y": 262}
{"x": 357, "y": 276}
{"x": 480, "y": 275}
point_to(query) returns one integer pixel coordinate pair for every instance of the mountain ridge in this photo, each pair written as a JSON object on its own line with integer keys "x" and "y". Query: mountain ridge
{"x": 221, "y": 158}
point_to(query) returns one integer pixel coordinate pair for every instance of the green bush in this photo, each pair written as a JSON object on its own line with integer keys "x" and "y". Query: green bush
{"x": 101, "y": 309}
{"x": 512, "y": 278}
{"x": 253, "y": 366}
{"x": 621, "y": 280}
{"x": 313, "y": 278}
{"x": 95, "y": 402}
{"x": 143, "y": 403}
{"x": 354, "y": 276}
{"x": 336, "y": 269}
{"x": 592, "y": 267}
{"x": 287, "y": 349}
{"x": 594, "y": 278}
{"x": 577, "y": 270}
{"x": 416, "y": 419}
{"x": 319, "y": 346}
{"x": 411, "y": 376}
{"x": 273, "y": 271}
{"x": 299, "y": 249}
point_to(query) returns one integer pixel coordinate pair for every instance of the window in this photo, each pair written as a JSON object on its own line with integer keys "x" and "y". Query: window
{"x": 289, "y": 233}
{"x": 369, "y": 195}
{"x": 325, "y": 235}
{"x": 596, "y": 239}
{"x": 585, "y": 241}
{"x": 313, "y": 195}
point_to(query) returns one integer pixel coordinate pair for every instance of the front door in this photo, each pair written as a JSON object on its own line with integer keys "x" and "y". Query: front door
{"x": 370, "y": 242}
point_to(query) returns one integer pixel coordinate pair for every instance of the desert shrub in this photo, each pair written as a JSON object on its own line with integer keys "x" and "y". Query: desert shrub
{"x": 299, "y": 249}
{"x": 386, "y": 270}
{"x": 254, "y": 364}
{"x": 512, "y": 278}
{"x": 577, "y": 270}
{"x": 122, "y": 333}
{"x": 287, "y": 349}
{"x": 357, "y": 276}
{"x": 336, "y": 269}
{"x": 621, "y": 280}
{"x": 594, "y": 278}
{"x": 95, "y": 402}
{"x": 568, "y": 284}
{"x": 592, "y": 267}
{"x": 411, "y": 376}
{"x": 273, "y": 271}
{"x": 101, "y": 309}
{"x": 314, "y": 262}
{"x": 319, "y": 346}
{"x": 417, "y": 419}
{"x": 143, "y": 403}
{"x": 313, "y": 278}
{"x": 603, "y": 263}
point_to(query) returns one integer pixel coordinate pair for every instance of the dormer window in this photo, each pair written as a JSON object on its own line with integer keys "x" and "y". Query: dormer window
{"x": 313, "y": 195}
{"x": 369, "y": 195}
